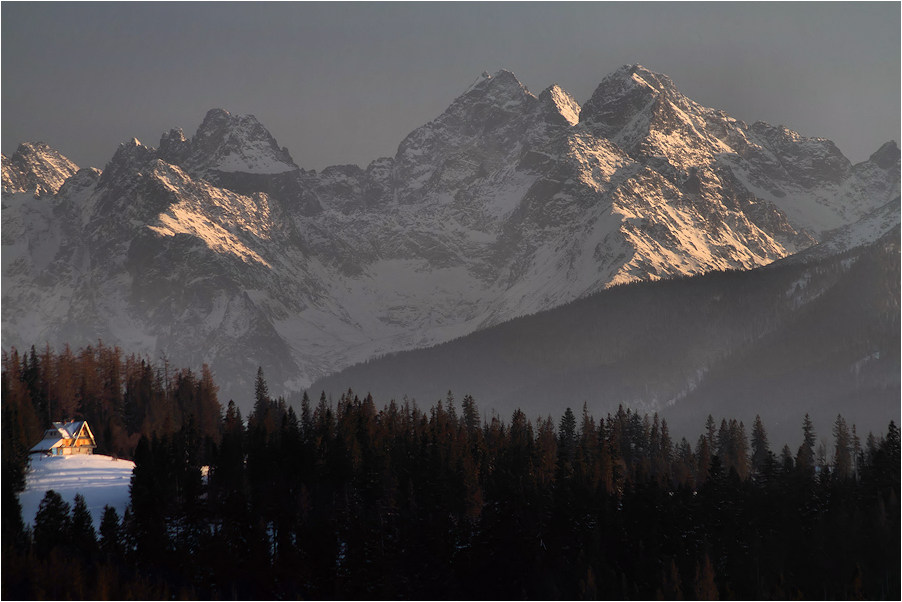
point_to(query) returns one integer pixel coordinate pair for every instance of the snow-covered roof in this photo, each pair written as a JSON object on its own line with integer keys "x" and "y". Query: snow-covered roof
{"x": 62, "y": 434}
{"x": 49, "y": 442}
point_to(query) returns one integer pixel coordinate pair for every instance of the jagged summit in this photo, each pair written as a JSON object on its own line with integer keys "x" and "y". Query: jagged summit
{"x": 503, "y": 88}
{"x": 36, "y": 167}
{"x": 630, "y": 94}
{"x": 236, "y": 143}
{"x": 128, "y": 157}
{"x": 174, "y": 147}
{"x": 501, "y": 78}
{"x": 886, "y": 156}
{"x": 506, "y": 78}
{"x": 641, "y": 75}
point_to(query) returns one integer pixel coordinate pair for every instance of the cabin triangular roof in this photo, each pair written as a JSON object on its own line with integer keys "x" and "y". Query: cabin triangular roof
{"x": 63, "y": 434}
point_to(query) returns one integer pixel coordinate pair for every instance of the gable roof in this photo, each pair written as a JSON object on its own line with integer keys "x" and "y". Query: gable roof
{"x": 64, "y": 434}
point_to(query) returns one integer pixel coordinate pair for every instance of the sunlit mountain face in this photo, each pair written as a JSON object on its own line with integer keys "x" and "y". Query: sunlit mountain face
{"x": 219, "y": 249}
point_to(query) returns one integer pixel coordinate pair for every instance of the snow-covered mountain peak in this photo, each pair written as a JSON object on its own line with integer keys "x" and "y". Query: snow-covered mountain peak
{"x": 217, "y": 248}
{"x": 128, "y": 157}
{"x": 175, "y": 135}
{"x": 656, "y": 81}
{"x": 174, "y": 148}
{"x": 631, "y": 99}
{"x": 229, "y": 143}
{"x": 36, "y": 167}
{"x": 214, "y": 119}
{"x": 886, "y": 156}
{"x": 482, "y": 130}
{"x": 502, "y": 89}
{"x": 619, "y": 99}
{"x": 503, "y": 77}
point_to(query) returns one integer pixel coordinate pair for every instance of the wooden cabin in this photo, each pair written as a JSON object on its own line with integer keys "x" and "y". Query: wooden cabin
{"x": 66, "y": 438}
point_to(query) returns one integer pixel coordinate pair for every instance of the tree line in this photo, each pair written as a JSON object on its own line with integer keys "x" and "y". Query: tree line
{"x": 341, "y": 499}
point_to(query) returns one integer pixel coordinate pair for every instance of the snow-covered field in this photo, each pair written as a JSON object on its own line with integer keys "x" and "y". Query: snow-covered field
{"x": 102, "y": 481}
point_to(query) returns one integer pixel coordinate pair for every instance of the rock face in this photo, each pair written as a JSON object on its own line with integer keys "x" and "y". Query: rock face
{"x": 219, "y": 249}
{"x": 36, "y": 168}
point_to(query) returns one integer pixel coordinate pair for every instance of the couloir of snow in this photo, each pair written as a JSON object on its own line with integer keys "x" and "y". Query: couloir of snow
{"x": 101, "y": 480}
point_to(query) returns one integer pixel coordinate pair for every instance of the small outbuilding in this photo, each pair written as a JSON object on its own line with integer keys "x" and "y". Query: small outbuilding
{"x": 66, "y": 438}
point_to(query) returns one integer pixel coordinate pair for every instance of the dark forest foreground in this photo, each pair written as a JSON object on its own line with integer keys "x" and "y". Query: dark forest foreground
{"x": 341, "y": 500}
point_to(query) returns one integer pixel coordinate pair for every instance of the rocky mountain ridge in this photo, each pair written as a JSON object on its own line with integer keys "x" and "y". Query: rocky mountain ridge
{"x": 219, "y": 249}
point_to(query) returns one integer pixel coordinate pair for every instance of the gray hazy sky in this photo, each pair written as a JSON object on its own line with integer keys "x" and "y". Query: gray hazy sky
{"x": 346, "y": 82}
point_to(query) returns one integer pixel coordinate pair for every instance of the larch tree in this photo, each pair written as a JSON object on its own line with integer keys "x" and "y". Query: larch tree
{"x": 704, "y": 584}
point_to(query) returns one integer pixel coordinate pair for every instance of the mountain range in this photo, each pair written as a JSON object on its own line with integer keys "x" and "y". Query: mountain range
{"x": 219, "y": 249}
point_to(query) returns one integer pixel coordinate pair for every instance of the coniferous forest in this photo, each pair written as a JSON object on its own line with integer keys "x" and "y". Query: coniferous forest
{"x": 347, "y": 499}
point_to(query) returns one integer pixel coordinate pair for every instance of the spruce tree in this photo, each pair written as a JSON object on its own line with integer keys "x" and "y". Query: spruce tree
{"x": 306, "y": 418}
{"x": 786, "y": 459}
{"x": 842, "y": 455}
{"x": 566, "y": 445}
{"x": 15, "y": 536}
{"x": 52, "y": 524}
{"x": 891, "y": 443}
{"x": 83, "y": 534}
{"x": 148, "y": 499}
{"x": 664, "y": 453}
{"x": 856, "y": 452}
{"x": 110, "y": 532}
{"x": 261, "y": 396}
{"x": 724, "y": 444}
{"x": 740, "y": 445}
{"x": 711, "y": 430}
{"x": 805, "y": 457}
{"x": 703, "y": 458}
{"x": 760, "y": 448}
{"x": 470, "y": 415}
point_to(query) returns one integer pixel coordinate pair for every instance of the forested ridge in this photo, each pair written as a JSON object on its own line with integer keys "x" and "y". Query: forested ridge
{"x": 780, "y": 341}
{"x": 342, "y": 499}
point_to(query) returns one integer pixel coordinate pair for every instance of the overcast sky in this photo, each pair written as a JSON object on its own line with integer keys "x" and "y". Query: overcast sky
{"x": 346, "y": 82}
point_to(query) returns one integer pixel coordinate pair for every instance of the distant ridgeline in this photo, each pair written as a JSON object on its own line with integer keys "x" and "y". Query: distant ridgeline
{"x": 344, "y": 500}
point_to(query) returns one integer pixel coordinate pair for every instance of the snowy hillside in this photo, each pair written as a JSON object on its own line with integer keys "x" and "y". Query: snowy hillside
{"x": 101, "y": 480}
{"x": 218, "y": 249}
